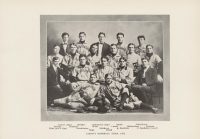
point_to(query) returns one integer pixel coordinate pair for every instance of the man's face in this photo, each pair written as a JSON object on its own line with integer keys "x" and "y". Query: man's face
{"x": 56, "y": 50}
{"x": 65, "y": 38}
{"x": 120, "y": 38}
{"x": 113, "y": 49}
{"x": 73, "y": 49}
{"x": 94, "y": 49}
{"x": 82, "y": 37}
{"x": 93, "y": 78}
{"x": 145, "y": 63}
{"x": 101, "y": 38}
{"x": 104, "y": 62}
{"x": 109, "y": 79}
{"x": 149, "y": 49}
{"x": 82, "y": 61}
{"x": 122, "y": 63}
{"x": 131, "y": 49}
{"x": 56, "y": 63}
{"x": 141, "y": 40}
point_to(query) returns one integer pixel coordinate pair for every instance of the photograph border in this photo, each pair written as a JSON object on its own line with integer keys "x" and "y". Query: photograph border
{"x": 62, "y": 116}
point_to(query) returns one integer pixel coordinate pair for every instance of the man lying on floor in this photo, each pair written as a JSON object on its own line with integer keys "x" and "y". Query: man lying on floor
{"x": 90, "y": 96}
{"x": 85, "y": 96}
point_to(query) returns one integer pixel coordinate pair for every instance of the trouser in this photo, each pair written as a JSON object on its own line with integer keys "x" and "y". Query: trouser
{"x": 54, "y": 92}
{"x": 144, "y": 93}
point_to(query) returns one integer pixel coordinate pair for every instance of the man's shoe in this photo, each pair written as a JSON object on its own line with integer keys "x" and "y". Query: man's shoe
{"x": 154, "y": 110}
{"x": 120, "y": 108}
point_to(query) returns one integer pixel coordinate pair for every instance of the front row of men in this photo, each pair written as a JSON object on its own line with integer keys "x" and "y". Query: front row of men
{"x": 102, "y": 87}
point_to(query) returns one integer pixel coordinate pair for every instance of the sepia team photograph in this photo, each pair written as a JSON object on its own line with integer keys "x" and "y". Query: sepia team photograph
{"x": 105, "y": 67}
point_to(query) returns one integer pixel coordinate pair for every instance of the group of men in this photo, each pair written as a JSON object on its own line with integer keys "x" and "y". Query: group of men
{"x": 101, "y": 77}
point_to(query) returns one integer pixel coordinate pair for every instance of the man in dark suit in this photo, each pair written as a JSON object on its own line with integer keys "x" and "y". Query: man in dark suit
{"x": 145, "y": 83}
{"x": 54, "y": 81}
{"x": 64, "y": 46}
{"x": 103, "y": 48}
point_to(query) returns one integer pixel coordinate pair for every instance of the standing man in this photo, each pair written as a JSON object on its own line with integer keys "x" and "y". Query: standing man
{"x": 64, "y": 46}
{"x": 103, "y": 47}
{"x": 120, "y": 44}
{"x": 82, "y": 46}
{"x": 56, "y": 50}
{"x": 141, "y": 49}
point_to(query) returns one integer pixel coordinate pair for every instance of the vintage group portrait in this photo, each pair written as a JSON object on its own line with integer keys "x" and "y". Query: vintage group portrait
{"x": 105, "y": 67}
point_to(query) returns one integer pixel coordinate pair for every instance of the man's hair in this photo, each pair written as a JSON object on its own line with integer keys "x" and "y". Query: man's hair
{"x": 105, "y": 57}
{"x": 149, "y": 45}
{"x": 73, "y": 44}
{"x": 65, "y": 33}
{"x": 141, "y": 36}
{"x": 102, "y": 33}
{"x": 82, "y": 33}
{"x": 144, "y": 58}
{"x": 55, "y": 58}
{"x": 123, "y": 58}
{"x": 93, "y": 74}
{"x": 113, "y": 45}
{"x": 82, "y": 56}
{"x": 120, "y": 33}
{"x": 56, "y": 46}
{"x": 131, "y": 44}
{"x": 108, "y": 74}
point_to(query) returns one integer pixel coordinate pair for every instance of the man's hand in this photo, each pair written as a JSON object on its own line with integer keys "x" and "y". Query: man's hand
{"x": 144, "y": 84}
{"x": 62, "y": 79}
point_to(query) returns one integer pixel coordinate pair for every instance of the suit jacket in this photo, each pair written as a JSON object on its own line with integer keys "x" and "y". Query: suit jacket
{"x": 105, "y": 49}
{"x": 150, "y": 77}
{"x": 53, "y": 78}
{"x": 62, "y": 51}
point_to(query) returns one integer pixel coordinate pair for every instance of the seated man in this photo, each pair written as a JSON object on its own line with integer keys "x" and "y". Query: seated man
{"x": 56, "y": 50}
{"x": 115, "y": 92}
{"x": 132, "y": 102}
{"x": 85, "y": 95}
{"x": 113, "y": 56}
{"x": 93, "y": 58}
{"x": 123, "y": 74}
{"x": 83, "y": 71}
{"x": 103, "y": 69}
{"x": 144, "y": 84}
{"x": 154, "y": 61}
{"x": 54, "y": 81}
{"x": 70, "y": 61}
